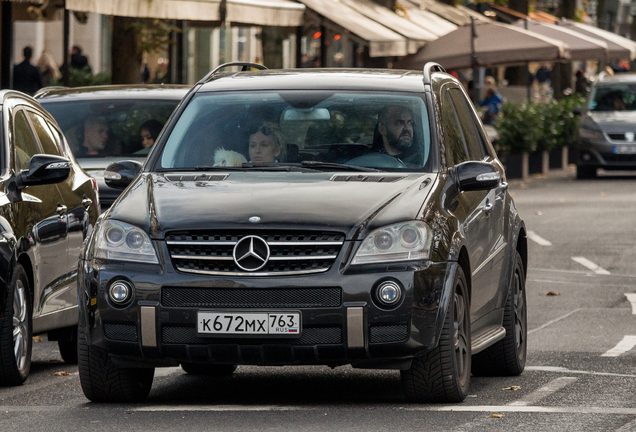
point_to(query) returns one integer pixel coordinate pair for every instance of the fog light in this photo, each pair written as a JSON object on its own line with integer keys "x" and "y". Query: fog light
{"x": 120, "y": 292}
{"x": 389, "y": 293}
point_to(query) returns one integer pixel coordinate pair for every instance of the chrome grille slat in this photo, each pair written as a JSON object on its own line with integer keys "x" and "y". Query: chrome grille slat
{"x": 290, "y": 252}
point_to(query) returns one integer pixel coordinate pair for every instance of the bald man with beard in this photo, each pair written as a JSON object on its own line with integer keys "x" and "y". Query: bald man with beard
{"x": 395, "y": 126}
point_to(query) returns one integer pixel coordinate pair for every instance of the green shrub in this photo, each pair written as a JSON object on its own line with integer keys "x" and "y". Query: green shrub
{"x": 529, "y": 126}
{"x": 84, "y": 77}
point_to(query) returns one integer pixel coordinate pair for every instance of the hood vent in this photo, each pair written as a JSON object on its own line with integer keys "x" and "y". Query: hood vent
{"x": 366, "y": 178}
{"x": 196, "y": 177}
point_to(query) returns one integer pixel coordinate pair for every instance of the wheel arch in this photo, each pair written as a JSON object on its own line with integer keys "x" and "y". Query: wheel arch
{"x": 522, "y": 247}
{"x": 25, "y": 261}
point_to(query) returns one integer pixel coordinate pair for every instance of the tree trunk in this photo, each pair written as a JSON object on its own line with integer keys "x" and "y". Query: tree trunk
{"x": 517, "y": 75}
{"x": 272, "y": 39}
{"x": 126, "y": 58}
{"x": 600, "y": 14}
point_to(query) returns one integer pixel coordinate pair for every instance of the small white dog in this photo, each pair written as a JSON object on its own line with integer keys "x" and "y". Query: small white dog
{"x": 224, "y": 157}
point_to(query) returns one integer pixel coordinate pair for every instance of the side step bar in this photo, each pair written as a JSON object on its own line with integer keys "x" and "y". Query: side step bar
{"x": 487, "y": 337}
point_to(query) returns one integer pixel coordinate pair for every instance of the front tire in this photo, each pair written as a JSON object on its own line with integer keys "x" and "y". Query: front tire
{"x": 585, "y": 172}
{"x": 16, "y": 331}
{"x": 102, "y": 381}
{"x": 508, "y": 356}
{"x": 442, "y": 374}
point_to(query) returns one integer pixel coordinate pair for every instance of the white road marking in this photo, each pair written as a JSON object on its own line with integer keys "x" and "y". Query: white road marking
{"x": 558, "y": 369}
{"x": 162, "y": 372}
{"x": 545, "y": 391}
{"x": 622, "y": 347}
{"x": 631, "y": 297}
{"x": 553, "y": 321}
{"x": 589, "y": 264}
{"x": 537, "y": 239}
{"x": 528, "y": 409}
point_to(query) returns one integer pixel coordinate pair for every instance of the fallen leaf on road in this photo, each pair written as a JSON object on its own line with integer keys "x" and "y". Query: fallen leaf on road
{"x": 61, "y": 373}
{"x": 552, "y": 293}
{"x": 538, "y": 213}
{"x": 540, "y": 176}
{"x": 512, "y": 388}
{"x": 561, "y": 200}
{"x": 37, "y": 339}
{"x": 496, "y": 415}
{"x": 604, "y": 194}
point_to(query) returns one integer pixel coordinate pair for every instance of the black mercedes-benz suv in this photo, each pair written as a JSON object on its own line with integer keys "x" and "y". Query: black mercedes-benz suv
{"x": 309, "y": 217}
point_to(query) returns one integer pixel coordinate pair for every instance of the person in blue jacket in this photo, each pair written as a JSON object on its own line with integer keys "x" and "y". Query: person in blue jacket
{"x": 492, "y": 103}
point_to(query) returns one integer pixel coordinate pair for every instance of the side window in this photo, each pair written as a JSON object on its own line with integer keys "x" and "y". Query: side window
{"x": 476, "y": 150}
{"x": 48, "y": 139}
{"x": 456, "y": 151}
{"x": 24, "y": 142}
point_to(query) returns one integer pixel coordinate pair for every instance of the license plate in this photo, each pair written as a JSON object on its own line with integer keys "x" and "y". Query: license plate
{"x": 625, "y": 149}
{"x": 249, "y": 323}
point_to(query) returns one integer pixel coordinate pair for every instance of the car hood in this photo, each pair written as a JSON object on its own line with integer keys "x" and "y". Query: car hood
{"x": 614, "y": 121}
{"x": 159, "y": 204}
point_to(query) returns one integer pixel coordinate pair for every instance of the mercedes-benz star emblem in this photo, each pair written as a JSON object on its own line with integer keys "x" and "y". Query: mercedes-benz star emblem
{"x": 254, "y": 219}
{"x": 251, "y": 253}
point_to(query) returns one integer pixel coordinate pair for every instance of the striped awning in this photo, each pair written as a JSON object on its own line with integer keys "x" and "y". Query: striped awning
{"x": 284, "y": 13}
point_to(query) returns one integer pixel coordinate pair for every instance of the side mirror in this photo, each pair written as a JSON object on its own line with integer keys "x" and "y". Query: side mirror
{"x": 44, "y": 169}
{"x": 119, "y": 175}
{"x": 475, "y": 176}
{"x": 576, "y": 110}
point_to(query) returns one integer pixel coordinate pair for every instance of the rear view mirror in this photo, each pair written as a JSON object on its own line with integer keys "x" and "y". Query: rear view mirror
{"x": 300, "y": 114}
{"x": 475, "y": 176}
{"x": 44, "y": 169}
{"x": 119, "y": 175}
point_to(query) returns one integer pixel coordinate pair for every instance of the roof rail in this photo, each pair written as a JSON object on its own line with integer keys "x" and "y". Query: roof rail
{"x": 246, "y": 66}
{"x": 429, "y": 68}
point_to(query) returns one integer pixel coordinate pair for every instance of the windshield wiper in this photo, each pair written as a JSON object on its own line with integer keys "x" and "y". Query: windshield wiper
{"x": 338, "y": 166}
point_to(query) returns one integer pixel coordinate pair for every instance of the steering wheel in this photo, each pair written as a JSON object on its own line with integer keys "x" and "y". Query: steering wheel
{"x": 377, "y": 160}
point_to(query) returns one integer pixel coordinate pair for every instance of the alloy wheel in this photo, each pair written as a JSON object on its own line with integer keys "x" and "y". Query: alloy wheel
{"x": 20, "y": 325}
{"x": 461, "y": 339}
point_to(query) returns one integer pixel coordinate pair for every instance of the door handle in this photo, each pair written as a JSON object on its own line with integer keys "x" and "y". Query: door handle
{"x": 86, "y": 202}
{"x": 61, "y": 209}
{"x": 488, "y": 208}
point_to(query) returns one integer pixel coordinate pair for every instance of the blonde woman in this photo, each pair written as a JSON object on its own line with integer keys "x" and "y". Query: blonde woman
{"x": 48, "y": 68}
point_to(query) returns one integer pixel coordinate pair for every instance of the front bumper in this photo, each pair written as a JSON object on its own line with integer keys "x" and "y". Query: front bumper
{"x": 152, "y": 331}
{"x": 603, "y": 155}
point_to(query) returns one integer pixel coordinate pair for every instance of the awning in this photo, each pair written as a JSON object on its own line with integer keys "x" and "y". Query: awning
{"x": 282, "y": 13}
{"x": 618, "y": 47}
{"x": 582, "y": 47}
{"x": 543, "y": 17}
{"x": 416, "y": 35}
{"x": 494, "y": 44}
{"x": 453, "y": 14}
{"x": 381, "y": 41}
{"x": 425, "y": 19}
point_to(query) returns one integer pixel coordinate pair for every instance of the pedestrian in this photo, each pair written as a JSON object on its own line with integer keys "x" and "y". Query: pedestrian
{"x": 544, "y": 78}
{"x": 580, "y": 85}
{"x": 48, "y": 69}
{"x": 26, "y": 77}
{"x": 78, "y": 60}
{"x": 162, "y": 76}
{"x": 492, "y": 103}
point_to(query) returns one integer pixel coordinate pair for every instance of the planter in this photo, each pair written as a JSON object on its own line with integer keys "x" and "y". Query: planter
{"x": 556, "y": 159}
{"x": 514, "y": 166}
{"x": 535, "y": 163}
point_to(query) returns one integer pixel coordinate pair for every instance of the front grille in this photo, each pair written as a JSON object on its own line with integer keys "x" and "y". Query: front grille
{"x": 389, "y": 333}
{"x": 617, "y": 136}
{"x": 251, "y": 298}
{"x": 309, "y": 336}
{"x": 290, "y": 252}
{"x": 120, "y": 332}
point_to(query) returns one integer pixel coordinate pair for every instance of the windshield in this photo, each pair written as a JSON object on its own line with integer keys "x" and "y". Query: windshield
{"x": 615, "y": 97}
{"x": 383, "y": 131}
{"x": 105, "y": 128}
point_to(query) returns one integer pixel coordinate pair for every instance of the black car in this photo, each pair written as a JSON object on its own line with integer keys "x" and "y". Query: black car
{"x": 122, "y": 113}
{"x": 607, "y": 130}
{"x": 309, "y": 217}
{"x": 48, "y": 208}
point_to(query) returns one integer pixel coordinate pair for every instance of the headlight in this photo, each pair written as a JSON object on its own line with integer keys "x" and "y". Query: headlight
{"x": 121, "y": 241}
{"x": 590, "y": 134}
{"x": 400, "y": 242}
